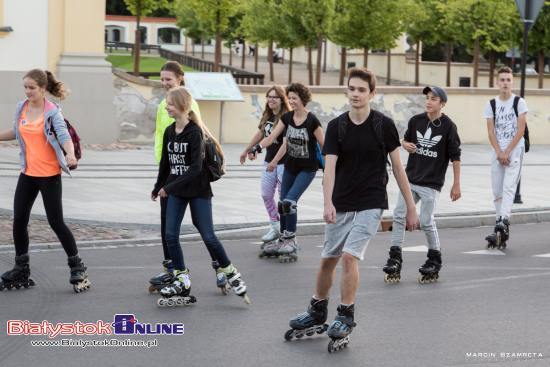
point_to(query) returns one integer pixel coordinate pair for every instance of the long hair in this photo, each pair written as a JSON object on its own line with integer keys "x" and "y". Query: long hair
{"x": 45, "y": 79}
{"x": 174, "y": 67}
{"x": 268, "y": 113}
{"x": 181, "y": 98}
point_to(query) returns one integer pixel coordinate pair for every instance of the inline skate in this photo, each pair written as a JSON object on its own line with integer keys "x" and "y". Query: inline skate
{"x": 429, "y": 272}
{"x": 310, "y": 322}
{"x": 79, "y": 276}
{"x": 235, "y": 282}
{"x": 500, "y": 234}
{"x": 221, "y": 278}
{"x": 19, "y": 276}
{"x": 393, "y": 266}
{"x": 340, "y": 329}
{"x": 178, "y": 292}
{"x": 162, "y": 279}
{"x": 288, "y": 252}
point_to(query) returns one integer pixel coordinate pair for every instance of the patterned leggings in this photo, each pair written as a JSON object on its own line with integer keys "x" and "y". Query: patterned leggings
{"x": 270, "y": 182}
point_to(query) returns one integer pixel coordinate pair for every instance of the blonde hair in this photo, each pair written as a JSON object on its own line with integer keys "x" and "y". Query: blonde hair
{"x": 268, "y": 113}
{"x": 182, "y": 100}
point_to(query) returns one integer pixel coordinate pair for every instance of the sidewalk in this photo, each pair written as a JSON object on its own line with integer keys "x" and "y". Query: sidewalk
{"x": 114, "y": 187}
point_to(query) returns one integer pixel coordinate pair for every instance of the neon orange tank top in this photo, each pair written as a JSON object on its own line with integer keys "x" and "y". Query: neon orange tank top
{"x": 41, "y": 160}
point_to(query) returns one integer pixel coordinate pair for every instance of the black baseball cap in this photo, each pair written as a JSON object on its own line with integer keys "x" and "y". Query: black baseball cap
{"x": 437, "y": 91}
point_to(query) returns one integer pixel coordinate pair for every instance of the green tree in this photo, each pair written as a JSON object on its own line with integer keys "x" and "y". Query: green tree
{"x": 539, "y": 40}
{"x": 316, "y": 17}
{"x": 446, "y": 31}
{"x": 420, "y": 26}
{"x": 291, "y": 34}
{"x": 142, "y": 8}
{"x": 485, "y": 26}
{"x": 343, "y": 33}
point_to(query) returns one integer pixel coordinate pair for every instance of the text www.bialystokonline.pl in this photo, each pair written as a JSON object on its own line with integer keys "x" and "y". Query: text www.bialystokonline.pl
{"x": 85, "y": 343}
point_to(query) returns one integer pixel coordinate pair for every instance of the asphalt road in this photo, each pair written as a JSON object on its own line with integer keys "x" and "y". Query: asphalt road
{"x": 486, "y": 310}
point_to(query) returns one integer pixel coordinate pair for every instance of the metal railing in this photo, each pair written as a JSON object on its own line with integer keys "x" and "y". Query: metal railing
{"x": 130, "y": 46}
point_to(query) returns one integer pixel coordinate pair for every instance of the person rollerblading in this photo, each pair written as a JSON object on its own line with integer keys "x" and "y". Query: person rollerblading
{"x": 310, "y": 322}
{"x": 340, "y": 329}
{"x": 79, "y": 276}
{"x": 19, "y": 276}
{"x": 429, "y": 272}
{"x": 393, "y": 266}
{"x": 178, "y": 292}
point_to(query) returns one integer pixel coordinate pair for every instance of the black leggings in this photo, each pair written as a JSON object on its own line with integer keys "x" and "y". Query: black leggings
{"x": 25, "y": 194}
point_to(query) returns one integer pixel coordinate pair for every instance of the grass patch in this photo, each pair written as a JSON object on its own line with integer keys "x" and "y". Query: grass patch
{"x": 146, "y": 63}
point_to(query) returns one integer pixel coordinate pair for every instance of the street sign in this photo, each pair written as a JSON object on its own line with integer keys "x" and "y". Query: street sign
{"x": 529, "y": 13}
{"x": 213, "y": 87}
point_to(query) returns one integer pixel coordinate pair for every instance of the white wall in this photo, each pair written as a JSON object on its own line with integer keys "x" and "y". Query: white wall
{"x": 26, "y": 47}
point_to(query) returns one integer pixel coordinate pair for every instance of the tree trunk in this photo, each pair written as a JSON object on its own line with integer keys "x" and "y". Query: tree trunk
{"x": 137, "y": 43}
{"x": 202, "y": 48}
{"x": 365, "y": 57}
{"x": 448, "y": 59}
{"x": 541, "y": 69}
{"x": 243, "y": 60}
{"x": 388, "y": 76}
{"x": 325, "y": 56}
{"x": 218, "y": 51}
{"x": 417, "y": 65}
{"x": 291, "y": 51}
{"x": 491, "y": 68}
{"x": 256, "y": 51}
{"x": 193, "y": 46}
{"x": 309, "y": 66}
{"x": 342, "y": 65}
{"x": 230, "y": 56}
{"x": 319, "y": 60}
{"x": 186, "y": 44}
{"x": 476, "y": 61}
{"x": 270, "y": 60}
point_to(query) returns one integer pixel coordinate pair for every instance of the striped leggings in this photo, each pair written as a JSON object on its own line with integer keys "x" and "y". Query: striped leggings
{"x": 270, "y": 182}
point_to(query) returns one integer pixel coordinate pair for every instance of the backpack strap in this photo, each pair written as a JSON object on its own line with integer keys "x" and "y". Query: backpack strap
{"x": 379, "y": 131}
{"x": 342, "y": 128}
{"x": 493, "y": 104}
{"x": 516, "y": 103}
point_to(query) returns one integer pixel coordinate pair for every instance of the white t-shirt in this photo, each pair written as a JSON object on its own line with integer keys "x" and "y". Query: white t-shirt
{"x": 506, "y": 122}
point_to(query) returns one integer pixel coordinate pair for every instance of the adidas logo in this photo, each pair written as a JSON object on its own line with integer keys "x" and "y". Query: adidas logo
{"x": 426, "y": 141}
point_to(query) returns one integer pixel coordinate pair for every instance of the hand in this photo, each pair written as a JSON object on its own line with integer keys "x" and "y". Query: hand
{"x": 242, "y": 157}
{"x": 409, "y": 147}
{"x": 252, "y": 156}
{"x": 71, "y": 160}
{"x": 271, "y": 167}
{"x": 154, "y": 196}
{"x": 329, "y": 214}
{"x": 455, "y": 192}
{"x": 412, "y": 219}
{"x": 163, "y": 193}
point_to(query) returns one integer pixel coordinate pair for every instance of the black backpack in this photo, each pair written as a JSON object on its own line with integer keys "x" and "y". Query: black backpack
{"x": 493, "y": 104}
{"x": 213, "y": 161}
{"x": 378, "y": 129}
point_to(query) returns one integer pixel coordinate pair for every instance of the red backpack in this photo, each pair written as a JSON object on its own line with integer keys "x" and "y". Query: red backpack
{"x": 76, "y": 142}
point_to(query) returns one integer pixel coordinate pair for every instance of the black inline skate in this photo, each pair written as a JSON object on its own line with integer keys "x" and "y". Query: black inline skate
{"x": 19, "y": 276}
{"x": 162, "y": 279}
{"x": 310, "y": 322}
{"x": 500, "y": 234}
{"x": 79, "y": 276}
{"x": 221, "y": 278}
{"x": 178, "y": 292}
{"x": 393, "y": 266}
{"x": 429, "y": 272}
{"x": 340, "y": 329}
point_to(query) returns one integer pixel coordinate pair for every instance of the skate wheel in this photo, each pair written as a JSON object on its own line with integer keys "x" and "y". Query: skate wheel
{"x": 421, "y": 279}
{"x": 310, "y": 333}
{"x": 169, "y": 302}
{"x": 160, "y": 302}
{"x": 289, "y": 335}
{"x": 331, "y": 347}
{"x": 17, "y": 286}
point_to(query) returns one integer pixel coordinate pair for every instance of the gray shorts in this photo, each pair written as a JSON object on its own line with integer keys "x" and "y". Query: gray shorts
{"x": 351, "y": 233}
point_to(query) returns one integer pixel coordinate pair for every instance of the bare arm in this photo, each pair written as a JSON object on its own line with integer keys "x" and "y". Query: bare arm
{"x": 7, "y": 135}
{"x": 255, "y": 139}
{"x": 319, "y": 136}
{"x": 274, "y": 135}
{"x": 522, "y": 122}
{"x": 329, "y": 213}
{"x": 455, "y": 190}
{"x": 403, "y": 183}
{"x": 280, "y": 154}
{"x": 492, "y": 136}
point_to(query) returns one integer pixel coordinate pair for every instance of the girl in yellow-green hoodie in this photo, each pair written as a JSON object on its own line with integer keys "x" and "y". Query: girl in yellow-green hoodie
{"x": 171, "y": 76}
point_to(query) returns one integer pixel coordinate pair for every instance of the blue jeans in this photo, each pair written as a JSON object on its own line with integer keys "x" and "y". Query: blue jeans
{"x": 292, "y": 188}
{"x": 201, "y": 215}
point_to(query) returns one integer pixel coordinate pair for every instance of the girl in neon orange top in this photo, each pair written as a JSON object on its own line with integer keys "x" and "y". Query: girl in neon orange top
{"x": 42, "y": 134}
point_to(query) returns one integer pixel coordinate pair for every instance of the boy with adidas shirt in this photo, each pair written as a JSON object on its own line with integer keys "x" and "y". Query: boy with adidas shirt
{"x": 506, "y": 122}
{"x": 432, "y": 141}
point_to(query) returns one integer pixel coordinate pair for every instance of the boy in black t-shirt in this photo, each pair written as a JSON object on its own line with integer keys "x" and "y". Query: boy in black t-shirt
{"x": 354, "y": 187}
{"x": 432, "y": 141}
